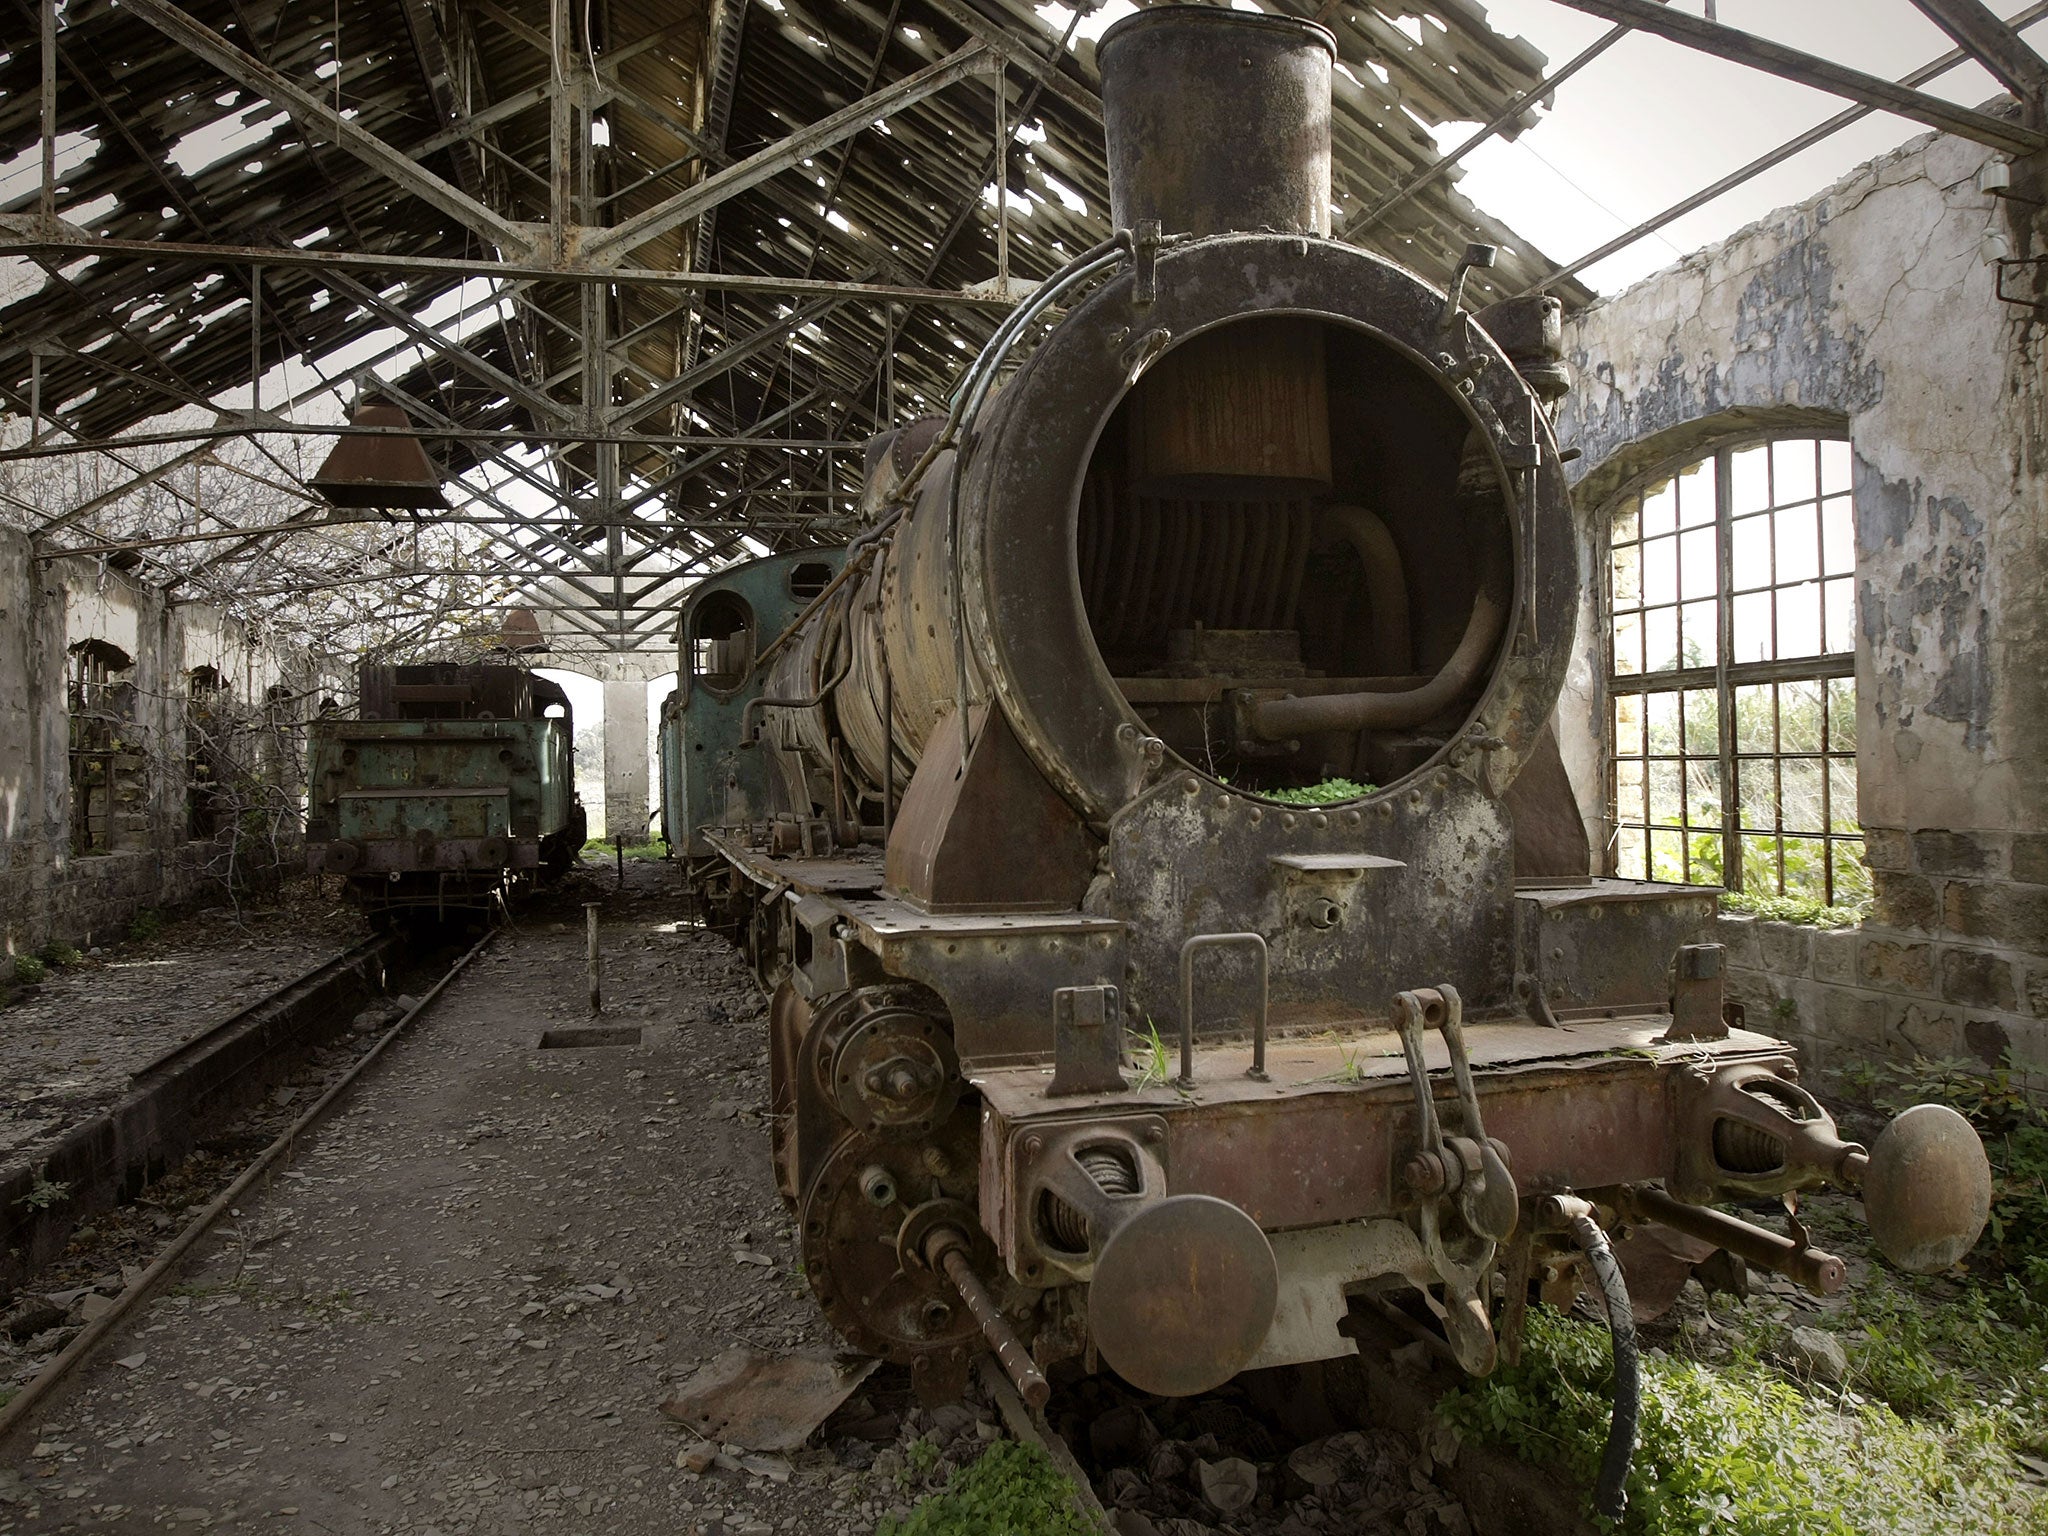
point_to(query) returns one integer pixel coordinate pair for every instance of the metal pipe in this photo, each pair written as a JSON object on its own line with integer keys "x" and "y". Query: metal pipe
{"x": 592, "y": 959}
{"x": 1575, "y": 1216}
{"x": 1283, "y": 719}
{"x": 750, "y": 733}
{"x": 1386, "y": 583}
{"x": 946, "y": 1251}
{"x": 1821, "y": 1273}
{"x": 1188, "y": 951}
{"x": 888, "y": 749}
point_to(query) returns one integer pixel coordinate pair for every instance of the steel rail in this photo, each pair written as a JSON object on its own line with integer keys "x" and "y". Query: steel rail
{"x": 376, "y": 948}
{"x": 18, "y": 1408}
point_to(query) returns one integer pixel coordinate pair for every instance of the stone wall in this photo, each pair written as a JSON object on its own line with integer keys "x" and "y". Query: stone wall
{"x": 48, "y": 891}
{"x": 1871, "y": 311}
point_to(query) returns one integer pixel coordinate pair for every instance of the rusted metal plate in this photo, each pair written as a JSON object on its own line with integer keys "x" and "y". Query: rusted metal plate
{"x": 1184, "y": 1294}
{"x": 984, "y": 831}
{"x": 766, "y": 1402}
{"x": 1608, "y": 944}
{"x": 1582, "y": 1107}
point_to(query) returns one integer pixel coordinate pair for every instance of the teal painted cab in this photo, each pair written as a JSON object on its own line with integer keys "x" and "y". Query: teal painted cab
{"x": 454, "y": 783}
{"x": 708, "y": 779}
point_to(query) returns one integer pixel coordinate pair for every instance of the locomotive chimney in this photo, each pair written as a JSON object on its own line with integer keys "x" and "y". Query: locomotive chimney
{"x": 1217, "y": 121}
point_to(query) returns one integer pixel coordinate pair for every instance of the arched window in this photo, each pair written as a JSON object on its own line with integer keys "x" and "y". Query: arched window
{"x": 1732, "y": 660}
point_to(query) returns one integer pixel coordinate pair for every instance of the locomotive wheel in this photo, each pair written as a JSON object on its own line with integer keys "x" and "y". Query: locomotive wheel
{"x": 883, "y": 1013}
{"x": 852, "y": 1216}
{"x": 893, "y": 1069}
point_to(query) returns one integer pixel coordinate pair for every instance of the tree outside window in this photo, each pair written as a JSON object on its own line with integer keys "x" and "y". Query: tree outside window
{"x": 1732, "y": 640}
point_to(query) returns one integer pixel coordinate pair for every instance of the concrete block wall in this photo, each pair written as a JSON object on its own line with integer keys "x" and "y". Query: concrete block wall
{"x": 47, "y": 892}
{"x": 1850, "y": 996}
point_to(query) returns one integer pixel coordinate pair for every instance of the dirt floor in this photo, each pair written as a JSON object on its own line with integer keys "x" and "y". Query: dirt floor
{"x": 68, "y": 1044}
{"x": 461, "y": 1306}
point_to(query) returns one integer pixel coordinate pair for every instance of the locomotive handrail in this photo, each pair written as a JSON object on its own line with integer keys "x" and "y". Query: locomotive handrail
{"x": 1201, "y": 941}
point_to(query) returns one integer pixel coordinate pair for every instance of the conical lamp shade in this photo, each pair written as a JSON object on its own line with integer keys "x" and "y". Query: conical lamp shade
{"x": 379, "y": 471}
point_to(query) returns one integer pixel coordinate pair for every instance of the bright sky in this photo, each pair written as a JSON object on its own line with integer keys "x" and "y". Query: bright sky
{"x": 1649, "y": 122}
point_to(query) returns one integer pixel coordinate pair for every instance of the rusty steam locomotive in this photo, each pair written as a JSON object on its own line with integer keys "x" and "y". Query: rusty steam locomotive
{"x": 1098, "y": 1033}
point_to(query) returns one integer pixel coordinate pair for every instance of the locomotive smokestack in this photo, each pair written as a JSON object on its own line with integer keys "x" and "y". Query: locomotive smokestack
{"x": 1217, "y": 120}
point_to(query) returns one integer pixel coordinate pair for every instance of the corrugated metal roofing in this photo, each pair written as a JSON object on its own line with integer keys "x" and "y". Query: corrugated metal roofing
{"x": 901, "y": 203}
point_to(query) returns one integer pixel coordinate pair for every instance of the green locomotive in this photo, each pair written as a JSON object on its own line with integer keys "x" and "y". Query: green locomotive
{"x": 452, "y": 786}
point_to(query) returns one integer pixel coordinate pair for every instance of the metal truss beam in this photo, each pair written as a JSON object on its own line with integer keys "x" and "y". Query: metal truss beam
{"x": 1808, "y": 69}
{"x": 317, "y": 117}
{"x": 780, "y": 156}
{"x": 1993, "y": 42}
{"x": 1797, "y": 145}
{"x": 447, "y": 347}
{"x": 20, "y": 237}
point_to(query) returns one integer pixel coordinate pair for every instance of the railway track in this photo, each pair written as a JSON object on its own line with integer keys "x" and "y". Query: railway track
{"x": 195, "y": 1055}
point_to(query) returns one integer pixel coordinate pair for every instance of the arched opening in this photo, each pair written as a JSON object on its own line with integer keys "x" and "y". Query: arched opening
{"x": 586, "y": 711}
{"x": 109, "y": 785}
{"x": 1731, "y": 638}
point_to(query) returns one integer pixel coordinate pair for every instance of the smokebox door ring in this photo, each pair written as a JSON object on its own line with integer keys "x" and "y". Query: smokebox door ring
{"x": 1027, "y": 625}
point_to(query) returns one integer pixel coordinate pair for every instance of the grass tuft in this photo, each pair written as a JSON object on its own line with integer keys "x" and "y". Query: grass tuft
{"x": 1739, "y": 1449}
{"x": 1009, "y": 1490}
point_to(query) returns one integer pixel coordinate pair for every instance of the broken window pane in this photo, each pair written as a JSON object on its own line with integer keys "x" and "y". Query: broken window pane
{"x": 1798, "y": 539}
{"x": 1799, "y": 620}
{"x": 1628, "y": 642}
{"x": 1799, "y": 717}
{"x": 1750, "y": 551}
{"x": 1660, "y": 571}
{"x": 1835, "y": 466}
{"x": 1660, "y": 509}
{"x": 1700, "y": 642}
{"x": 1752, "y": 626}
{"x": 1838, "y": 536}
{"x": 1696, "y": 495}
{"x": 1660, "y": 639}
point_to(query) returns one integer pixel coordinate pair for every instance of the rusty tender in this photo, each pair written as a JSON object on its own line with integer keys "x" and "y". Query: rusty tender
{"x": 1052, "y": 779}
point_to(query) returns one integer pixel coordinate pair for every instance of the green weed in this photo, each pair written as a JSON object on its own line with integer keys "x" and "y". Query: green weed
{"x": 29, "y": 971}
{"x": 57, "y": 955}
{"x": 1009, "y": 1490}
{"x": 1738, "y": 1449}
{"x": 1157, "y": 1066}
{"x": 1329, "y": 792}
{"x": 1791, "y": 909}
{"x": 147, "y": 925}
{"x": 44, "y": 1193}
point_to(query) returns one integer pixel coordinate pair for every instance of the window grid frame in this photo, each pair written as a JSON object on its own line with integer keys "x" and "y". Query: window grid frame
{"x": 1726, "y": 676}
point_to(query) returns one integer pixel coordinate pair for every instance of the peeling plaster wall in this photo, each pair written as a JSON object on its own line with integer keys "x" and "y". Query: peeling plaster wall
{"x": 1872, "y": 310}
{"x": 47, "y": 892}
